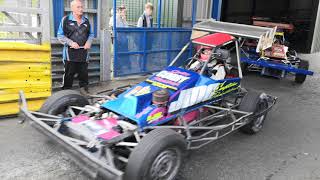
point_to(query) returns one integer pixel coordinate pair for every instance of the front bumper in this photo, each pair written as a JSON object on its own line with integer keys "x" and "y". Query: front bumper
{"x": 93, "y": 166}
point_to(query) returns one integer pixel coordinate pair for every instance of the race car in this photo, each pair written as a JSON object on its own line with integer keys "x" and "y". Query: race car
{"x": 142, "y": 132}
{"x": 277, "y": 61}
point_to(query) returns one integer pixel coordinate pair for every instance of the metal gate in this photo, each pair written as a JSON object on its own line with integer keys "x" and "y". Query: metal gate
{"x": 141, "y": 50}
{"x": 146, "y": 50}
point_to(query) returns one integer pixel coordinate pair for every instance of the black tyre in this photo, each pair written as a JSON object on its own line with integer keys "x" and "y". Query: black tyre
{"x": 252, "y": 102}
{"x": 244, "y": 68}
{"x": 300, "y": 78}
{"x": 158, "y": 156}
{"x": 58, "y": 103}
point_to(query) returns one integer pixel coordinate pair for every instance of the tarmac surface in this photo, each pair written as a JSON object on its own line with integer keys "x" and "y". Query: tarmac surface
{"x": 288, "y": 148}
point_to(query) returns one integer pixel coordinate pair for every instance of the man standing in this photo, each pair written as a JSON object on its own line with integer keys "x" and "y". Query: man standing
{"x": 121, "y": 18}
{"x": 146, "y": 19}
{"x": 75, "y": 33}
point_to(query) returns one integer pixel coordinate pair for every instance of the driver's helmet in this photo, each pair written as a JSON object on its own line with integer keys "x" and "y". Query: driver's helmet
{"x": 205, "y": 54}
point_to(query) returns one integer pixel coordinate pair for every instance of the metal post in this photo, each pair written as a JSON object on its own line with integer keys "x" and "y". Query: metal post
{"x": 115, "y": 40}
{"x": 159, "y": 13}
{"x": 105, "y": 60}
{"x": 194, "y": 11}
{"x": 216, "y": 9}
{"x": 238, "y": 59}
{"x": 45, "y": 23}
{"x": 58, "y": 11}
{"x": 98, "y": 18}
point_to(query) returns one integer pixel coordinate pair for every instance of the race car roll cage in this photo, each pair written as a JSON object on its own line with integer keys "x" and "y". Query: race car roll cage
{"x": 225, "y": 118}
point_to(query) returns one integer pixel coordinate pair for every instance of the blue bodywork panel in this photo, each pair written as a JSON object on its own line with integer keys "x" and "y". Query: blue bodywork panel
{"x": 188, "y": 91}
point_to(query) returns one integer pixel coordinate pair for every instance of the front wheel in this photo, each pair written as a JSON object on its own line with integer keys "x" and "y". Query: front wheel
{"x": 158, "y": 156}
{"x": 58, "y": 103}
{"x": 254, "y": 102}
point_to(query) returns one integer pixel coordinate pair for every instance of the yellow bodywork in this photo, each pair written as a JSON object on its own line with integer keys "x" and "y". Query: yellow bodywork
{"x": 24, "y": 67}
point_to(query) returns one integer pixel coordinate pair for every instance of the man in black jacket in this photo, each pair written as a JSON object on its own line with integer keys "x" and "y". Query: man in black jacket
{"x": 75, "y": 33}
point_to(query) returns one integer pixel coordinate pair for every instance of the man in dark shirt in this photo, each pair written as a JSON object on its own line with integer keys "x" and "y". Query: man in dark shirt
{"x": 75, "y": 33}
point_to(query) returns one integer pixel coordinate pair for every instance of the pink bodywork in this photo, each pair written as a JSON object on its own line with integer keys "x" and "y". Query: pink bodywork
{"x": 103, "y": 127}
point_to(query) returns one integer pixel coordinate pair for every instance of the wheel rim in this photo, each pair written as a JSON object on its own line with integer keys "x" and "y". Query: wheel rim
{"x": 166, "y": 165}
{"x": 64, "y": 112}
{"x": 258, "y": 123}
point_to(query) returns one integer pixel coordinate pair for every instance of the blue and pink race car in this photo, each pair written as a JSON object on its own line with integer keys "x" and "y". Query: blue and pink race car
{"x": 142, "y": 132}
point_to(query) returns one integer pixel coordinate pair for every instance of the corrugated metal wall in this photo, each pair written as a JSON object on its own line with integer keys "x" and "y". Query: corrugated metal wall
{"x": 203, "y": 11}
{"x": 316, "y": 37}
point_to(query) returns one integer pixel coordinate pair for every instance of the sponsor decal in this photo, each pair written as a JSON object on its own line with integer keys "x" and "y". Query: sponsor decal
{"x": 169, "y": 79}
{"x": 172, "y": 76}
{"x": 154, "y": 117}
{"x": 161, "y": 85}
{"x": 143, "y": 91}
{"x": 193, "y": 96}
{"x": 94, "y": 127}
{"x": 225, "y": 89}
{"x": 144, "y": 111}
{"x": 139, "y": 90}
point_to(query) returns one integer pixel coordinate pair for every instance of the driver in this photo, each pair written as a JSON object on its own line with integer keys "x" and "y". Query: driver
{"x": 203, "y": 57}
{"x": 216, "y": 68}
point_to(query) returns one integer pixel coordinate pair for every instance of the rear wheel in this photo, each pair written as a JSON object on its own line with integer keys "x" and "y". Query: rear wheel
{"x": 59, "y": 102}
{"x": 244, "y": 68}
{"x": 300, "y": 78}
{"x": 158, "y": 156}
{"x": 252, "y": 102}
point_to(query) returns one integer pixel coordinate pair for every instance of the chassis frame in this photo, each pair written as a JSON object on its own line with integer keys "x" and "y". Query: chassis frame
{"x": 100, "y": 158}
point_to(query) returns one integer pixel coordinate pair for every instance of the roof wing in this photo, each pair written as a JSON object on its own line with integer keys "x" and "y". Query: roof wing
{"x": 265, "y": 35}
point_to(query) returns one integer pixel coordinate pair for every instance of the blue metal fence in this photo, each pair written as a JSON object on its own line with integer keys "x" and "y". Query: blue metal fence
{"x": 145, "y": 50}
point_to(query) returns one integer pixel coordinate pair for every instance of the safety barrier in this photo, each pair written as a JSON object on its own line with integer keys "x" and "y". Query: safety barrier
{"x": 24, "y": 67}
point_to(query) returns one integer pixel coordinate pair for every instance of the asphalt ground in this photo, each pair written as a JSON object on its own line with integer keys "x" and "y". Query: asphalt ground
{"x": 288, "y": 148}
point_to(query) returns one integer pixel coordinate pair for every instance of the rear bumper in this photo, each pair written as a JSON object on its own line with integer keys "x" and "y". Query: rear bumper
{"x": 92, "y": 165}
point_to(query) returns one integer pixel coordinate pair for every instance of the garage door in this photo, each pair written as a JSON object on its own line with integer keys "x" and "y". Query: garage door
{"x": 316, "y": 36}
{"x": 300, "y": 13}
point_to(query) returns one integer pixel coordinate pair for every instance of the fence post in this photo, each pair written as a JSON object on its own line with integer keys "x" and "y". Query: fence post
{"x": 45, "y": 23}
{"x": 115, "y": 36}
{"x": 194, "y": 11}
{"x": 105, "y": 58}
{"x": 216, "y": 9}
{"x": 159, "y": 13}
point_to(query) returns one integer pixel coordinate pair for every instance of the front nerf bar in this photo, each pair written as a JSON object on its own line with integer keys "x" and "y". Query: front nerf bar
{"x": 92, "y": 165}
